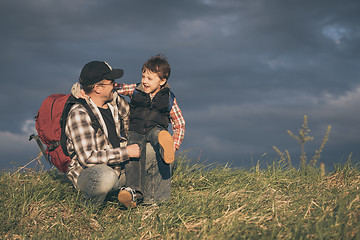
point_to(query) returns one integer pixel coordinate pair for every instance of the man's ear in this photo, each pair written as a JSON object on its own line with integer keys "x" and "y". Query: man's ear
{"x": 96, "y": 89}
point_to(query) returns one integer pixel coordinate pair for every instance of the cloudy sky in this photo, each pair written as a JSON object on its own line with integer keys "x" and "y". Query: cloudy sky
{"x": 243, "y": 71}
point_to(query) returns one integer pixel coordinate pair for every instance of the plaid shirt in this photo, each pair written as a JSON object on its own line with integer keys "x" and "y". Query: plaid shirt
{"x": 92, "y": 147}
{"x": 176, "y": 118}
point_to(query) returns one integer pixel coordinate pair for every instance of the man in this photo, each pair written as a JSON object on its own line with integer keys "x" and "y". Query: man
{"x": 99, "y": 153}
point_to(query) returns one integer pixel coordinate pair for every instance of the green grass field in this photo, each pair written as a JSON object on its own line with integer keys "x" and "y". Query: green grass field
{"x": 208, "y": 202}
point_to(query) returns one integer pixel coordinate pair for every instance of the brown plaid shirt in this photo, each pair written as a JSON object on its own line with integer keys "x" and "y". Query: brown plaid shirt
{"x": 92, "y": 147}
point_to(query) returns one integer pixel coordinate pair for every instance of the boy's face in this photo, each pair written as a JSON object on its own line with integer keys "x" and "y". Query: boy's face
{"x": 151, "y": 82}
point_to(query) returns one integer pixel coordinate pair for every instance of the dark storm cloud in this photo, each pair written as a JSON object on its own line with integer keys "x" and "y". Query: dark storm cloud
{"x": 243, "y": 71}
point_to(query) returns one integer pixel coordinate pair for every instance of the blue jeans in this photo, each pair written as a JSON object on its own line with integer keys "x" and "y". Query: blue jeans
{"x": 136, "y": 169}
{"x": 97, "y": 181}
{"x": 157, "y": 185}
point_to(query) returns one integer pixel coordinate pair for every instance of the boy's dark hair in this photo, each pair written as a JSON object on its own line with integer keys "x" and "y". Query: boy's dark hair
{"x": 158, "y": 64}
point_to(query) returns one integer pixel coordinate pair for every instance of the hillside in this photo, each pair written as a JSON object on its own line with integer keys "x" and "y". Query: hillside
{"x": 208, "y": 202}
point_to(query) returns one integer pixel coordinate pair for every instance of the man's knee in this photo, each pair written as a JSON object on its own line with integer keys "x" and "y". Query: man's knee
{"x": 99, "y": 179}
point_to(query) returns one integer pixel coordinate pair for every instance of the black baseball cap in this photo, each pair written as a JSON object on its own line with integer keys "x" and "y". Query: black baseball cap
{"x": 96, "y": 71}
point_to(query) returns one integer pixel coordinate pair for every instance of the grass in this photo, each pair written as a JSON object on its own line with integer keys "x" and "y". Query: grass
{"x": 208, "y": 202}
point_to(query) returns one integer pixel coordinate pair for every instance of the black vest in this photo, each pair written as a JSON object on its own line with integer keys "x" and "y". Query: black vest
{"x": 146, "y": 113}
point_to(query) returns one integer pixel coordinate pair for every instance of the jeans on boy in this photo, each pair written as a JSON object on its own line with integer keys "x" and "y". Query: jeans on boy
{"x": 135, "y": 168}
{"x": 157, "y": 187}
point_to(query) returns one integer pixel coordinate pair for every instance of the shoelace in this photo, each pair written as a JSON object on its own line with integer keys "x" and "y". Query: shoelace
{"x": 131, "y": 191}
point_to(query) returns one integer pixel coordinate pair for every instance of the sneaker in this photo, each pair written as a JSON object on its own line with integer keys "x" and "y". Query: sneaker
{"x": 166, "y": 149}
{"x": 129, "y": 197}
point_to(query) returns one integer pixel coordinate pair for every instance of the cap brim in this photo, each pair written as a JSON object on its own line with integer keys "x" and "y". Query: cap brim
{"x": 114, "y": 74}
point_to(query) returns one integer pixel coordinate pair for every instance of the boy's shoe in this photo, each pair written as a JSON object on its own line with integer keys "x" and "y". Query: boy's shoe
{"x": 129, "y": 197}
{"x": 166, "y": 149}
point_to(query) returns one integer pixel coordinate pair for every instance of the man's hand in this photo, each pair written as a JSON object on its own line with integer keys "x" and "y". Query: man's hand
{"x": 133, "y": 150}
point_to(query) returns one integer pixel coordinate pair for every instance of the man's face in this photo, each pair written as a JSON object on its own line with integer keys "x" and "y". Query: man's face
{"x": 151, "y": 82}
{"x": 107, "y": 89}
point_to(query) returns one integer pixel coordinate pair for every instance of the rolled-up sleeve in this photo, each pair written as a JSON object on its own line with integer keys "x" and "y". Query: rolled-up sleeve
{"x": 178, "y": 125}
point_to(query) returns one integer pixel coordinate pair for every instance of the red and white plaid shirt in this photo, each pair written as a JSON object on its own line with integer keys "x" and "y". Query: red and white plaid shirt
{"x": 176, "y": 118}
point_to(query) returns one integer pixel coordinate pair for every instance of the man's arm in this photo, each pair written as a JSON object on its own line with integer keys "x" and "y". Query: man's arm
{"x": 88, "y": 149}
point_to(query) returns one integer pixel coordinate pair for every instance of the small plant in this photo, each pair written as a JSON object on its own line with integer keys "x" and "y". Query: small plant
{"x": 304, "y": 137}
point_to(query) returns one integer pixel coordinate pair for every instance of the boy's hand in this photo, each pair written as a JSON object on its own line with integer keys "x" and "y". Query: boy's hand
{"x": 133, "y": 150}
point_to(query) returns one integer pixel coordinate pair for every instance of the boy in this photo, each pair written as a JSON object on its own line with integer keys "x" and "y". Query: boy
{"x": 152, "y": 107}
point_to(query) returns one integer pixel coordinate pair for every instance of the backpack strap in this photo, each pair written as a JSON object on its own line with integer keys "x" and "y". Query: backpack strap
{"x": 69, "y": 103}
{"x": 171, "y": 100}
{"x": 94, "y": 121}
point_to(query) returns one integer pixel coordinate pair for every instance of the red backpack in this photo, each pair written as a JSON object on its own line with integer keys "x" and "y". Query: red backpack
{"x": 50, "y": 125}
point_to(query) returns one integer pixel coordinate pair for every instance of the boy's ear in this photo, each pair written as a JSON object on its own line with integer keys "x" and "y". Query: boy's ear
{"x": 163, "y": 81}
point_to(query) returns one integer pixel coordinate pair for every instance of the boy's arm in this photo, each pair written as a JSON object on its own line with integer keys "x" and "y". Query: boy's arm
{"x": 178, "y": 125}
{"x": 125, "y": 89}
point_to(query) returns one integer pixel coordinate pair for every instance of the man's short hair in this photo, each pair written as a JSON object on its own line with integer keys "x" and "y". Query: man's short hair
{"x": 87, "y": 88}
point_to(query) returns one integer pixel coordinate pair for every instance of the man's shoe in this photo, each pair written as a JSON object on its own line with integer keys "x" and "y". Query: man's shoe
{"x": 129, "y": 197}
{"x": 166, "y": 149}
